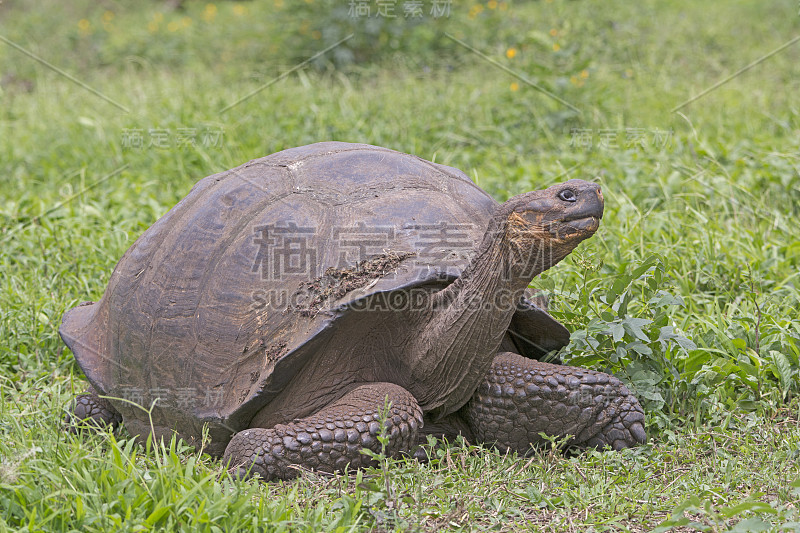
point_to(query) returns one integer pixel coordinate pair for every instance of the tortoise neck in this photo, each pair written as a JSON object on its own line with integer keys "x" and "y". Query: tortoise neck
{"x": 466, "y": 322}
{"x": 504, "y": 261}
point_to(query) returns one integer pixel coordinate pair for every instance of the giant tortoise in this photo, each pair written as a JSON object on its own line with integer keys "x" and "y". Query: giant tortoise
{"x": 301, "y": 304}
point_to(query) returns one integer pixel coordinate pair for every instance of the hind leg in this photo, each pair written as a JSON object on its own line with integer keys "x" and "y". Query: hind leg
{"x": 522, "y": 397}
{"x": 90, "y": 409}
{"x": 330, "y": 439}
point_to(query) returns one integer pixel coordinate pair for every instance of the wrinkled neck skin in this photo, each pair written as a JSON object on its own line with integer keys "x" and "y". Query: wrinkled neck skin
{"x": 465, "y": 323}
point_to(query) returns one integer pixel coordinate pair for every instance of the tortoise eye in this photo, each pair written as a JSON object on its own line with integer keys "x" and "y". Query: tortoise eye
{"x": 568, "y": 196}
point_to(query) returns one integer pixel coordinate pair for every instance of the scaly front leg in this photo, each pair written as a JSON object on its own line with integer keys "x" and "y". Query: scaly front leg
{"x": 330, "y": 439}
{"x": 522, "y": 397}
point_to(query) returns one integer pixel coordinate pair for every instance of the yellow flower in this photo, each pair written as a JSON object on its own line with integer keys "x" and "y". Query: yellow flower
{"x": 556, "y": 47}
{"x": 152, "y": 26}
{"x": 491, "y": 4}
{"x": 210, "y": 12}
{"x": 278, "y": 3}
{"x": 553, "y": 32}
{"x": 511, "y": 52}
{"x": 584, "y": 74}
{"x": 514, "y": 86}
{"x": 107, "y": 17}
{"x": 239, "y": 10}
{"x": 173, "y": 26}
{"x": 85, "y": 27}
{"x": 475, "y": 10}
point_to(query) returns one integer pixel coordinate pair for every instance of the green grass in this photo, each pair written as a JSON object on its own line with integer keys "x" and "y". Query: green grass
{"x": 700, "y": 236}
{"x": 57, "y": 481}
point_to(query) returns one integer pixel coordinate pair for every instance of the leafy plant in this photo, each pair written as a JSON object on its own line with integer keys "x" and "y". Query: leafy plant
{"x": 628, "y": 329}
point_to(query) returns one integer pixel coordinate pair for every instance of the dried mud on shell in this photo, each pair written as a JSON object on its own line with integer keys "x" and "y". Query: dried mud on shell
{"x": 336, "y": 283}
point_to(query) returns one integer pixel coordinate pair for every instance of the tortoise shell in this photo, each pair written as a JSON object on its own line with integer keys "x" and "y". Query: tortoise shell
{"x": 215, "y": 308}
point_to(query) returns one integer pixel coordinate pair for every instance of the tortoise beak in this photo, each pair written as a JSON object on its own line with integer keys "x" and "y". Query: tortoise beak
{"x": 586, "y": 224}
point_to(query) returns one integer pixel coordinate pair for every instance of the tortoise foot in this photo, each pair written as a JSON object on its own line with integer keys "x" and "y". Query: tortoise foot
{"x": 625, "y": 430}
{"x": 91, "y": 410}
{"x": 522, "y": 397}
{"x": 331, "y": 439}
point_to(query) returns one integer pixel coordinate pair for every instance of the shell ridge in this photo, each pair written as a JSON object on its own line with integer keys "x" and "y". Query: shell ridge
{"x": 357, "y": 147}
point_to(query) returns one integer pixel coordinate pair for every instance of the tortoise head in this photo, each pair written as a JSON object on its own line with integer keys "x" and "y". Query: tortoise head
{"x": 544, "y": 226}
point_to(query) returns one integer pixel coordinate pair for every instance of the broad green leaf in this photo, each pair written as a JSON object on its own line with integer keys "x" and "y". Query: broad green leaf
{"x": 751, "y": 525}
{"x": 784, "y": 368}
{"x": 634, "y": 327}
{"x": 617, "y": 332}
